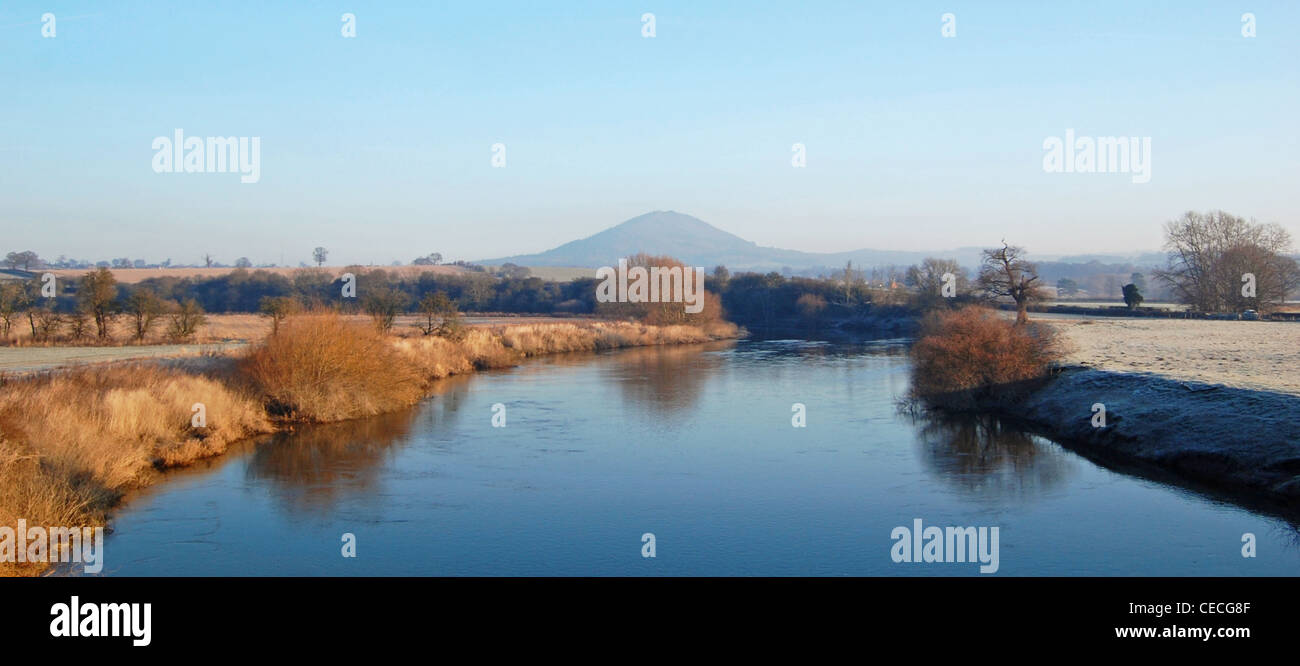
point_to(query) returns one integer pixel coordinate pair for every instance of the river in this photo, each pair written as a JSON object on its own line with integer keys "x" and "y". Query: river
{"x": 694, "y": 445}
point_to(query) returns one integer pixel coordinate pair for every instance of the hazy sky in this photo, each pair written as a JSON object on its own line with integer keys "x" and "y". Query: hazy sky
{"x": 379, "y": 146}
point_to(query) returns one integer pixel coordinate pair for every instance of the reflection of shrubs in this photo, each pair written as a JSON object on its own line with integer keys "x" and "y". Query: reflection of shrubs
{"x": 973, "y": 357}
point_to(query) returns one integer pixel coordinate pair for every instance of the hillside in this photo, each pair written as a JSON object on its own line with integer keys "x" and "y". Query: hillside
{"x": 699, "y": 243}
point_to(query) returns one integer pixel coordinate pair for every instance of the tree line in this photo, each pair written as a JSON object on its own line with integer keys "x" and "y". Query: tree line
{"x": 86, "y": 307}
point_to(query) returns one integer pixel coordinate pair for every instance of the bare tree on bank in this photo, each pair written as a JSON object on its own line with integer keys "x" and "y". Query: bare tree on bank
{"x": 13, "y": 298}
{"x": 144, "y": 308}
{"x": 1005, "y": 273}
{"x": 186, "y": 318}
{"x": 383, "y": 304}
{"x": 1219, "y": 262}
{"x": 277, "y": 309}
{"x": 319, "y": 255}
{"x": 98, "y": 296}
{"x": 439, "y": 316}
{"x": 928, "y": 280}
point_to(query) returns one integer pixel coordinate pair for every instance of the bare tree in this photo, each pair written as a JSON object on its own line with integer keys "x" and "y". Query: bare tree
{"x": 98, "y": 295}
{"x": 319, "y": 255}
{"x": 1006, "y": 273}
{"x": 26, "y": 259}
{"x": 928, "y": 279}
{"x": 45, "y": 322}
{"x": 852, "y": 282}
{"x": 13, "y": 298}
{"x": 277, "y": 309}
{"x": 1212, "y": 256}
{"x": 186, "y": 318}
{"x": 439, "y": 315}
{"x": 383, "y": 304}
{"x": 143, "y": 307}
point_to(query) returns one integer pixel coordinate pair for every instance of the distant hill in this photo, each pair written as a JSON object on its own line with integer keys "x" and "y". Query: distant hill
{"x": 699, "y": 243}
{"x": 1140, "y": 259}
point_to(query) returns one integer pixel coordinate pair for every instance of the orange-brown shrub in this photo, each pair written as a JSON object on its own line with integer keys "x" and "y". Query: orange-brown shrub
{"x": 72, "y": 442}
{"x": 320, "y": 367}
{"x": 972, "y": 357}
{"x": 666, "y": 312}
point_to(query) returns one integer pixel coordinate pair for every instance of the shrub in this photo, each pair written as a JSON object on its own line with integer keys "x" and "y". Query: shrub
{"x": 186, "y": 318}
{"x": 810, "y": 306}
{"x": 277, "y": 309}
{"x": 973, "y": 357}
{"x": 320, "y": 367}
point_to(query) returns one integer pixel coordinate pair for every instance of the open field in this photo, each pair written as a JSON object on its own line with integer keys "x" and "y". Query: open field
{"x": 1177, "y": 307}
{"x": 223, "y": 331}
{"x": 557, "y": 273}
{"x": 31, "y": 359}
{"x": 1257, "y": 355}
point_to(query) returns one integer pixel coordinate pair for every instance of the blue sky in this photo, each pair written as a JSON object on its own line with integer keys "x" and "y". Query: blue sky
{"x": 379, "y": 147}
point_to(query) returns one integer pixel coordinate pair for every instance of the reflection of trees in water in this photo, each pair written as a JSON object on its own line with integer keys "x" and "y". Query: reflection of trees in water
{"x": 665, "y": 379}
{"x": 315, "y": 466}
{"x": 983, "y": 456}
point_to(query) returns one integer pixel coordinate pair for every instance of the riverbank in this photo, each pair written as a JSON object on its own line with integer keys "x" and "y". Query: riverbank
{"x": 1230, "y": 438}
{"x": 1214, "y": 402}
{"x": 72, "y": 442}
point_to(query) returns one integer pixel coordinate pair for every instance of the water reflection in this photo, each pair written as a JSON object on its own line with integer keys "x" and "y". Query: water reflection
{"x": 987, "y": 459}
{"x": 665, "y": 380}
{"x": 312, "y": 468}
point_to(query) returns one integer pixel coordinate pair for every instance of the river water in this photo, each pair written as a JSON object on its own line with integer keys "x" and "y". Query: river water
{"x": 694, "y": 445}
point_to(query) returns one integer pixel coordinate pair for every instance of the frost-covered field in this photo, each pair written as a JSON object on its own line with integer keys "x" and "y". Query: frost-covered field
{"x": 1246, "y": 354}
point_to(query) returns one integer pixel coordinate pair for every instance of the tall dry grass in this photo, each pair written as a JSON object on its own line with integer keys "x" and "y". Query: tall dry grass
{"x": 71, "y": 443}
{"x": 320, "y": 367}
{"x": 973, "y": 358}
{"x": 534, "y": 339}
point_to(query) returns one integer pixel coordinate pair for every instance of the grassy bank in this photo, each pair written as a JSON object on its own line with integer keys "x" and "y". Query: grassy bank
{"x": 1207, "y": 436}
{"x": 1239, "y": 441}
{"x": 71, "y": 443}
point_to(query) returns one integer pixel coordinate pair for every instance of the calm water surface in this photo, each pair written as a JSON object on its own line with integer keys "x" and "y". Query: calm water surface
{"x": 693, "y": 444}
